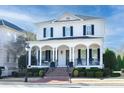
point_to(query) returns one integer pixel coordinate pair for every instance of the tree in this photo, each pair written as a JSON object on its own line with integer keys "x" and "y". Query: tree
{"x": 22, "y": 61}
{"x": 109, "y": 59}
{"x": 123, "y": 62}
{"x": 17, "y": 47}
{"x": 118, "y": 63}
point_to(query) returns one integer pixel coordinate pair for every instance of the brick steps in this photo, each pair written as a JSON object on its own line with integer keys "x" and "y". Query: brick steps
{"x": 60, "y": 71}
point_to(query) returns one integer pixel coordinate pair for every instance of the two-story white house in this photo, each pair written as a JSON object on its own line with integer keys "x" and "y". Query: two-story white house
{"x": 8, "y": 33}
{"x": 70, "y": 38}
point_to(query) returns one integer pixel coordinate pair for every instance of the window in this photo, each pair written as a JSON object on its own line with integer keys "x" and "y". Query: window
{"x": 68, "y": 31}
{"x": 88, "y": 29}
{"x": 94, "y": 54}
{"x": 48, "y": 32}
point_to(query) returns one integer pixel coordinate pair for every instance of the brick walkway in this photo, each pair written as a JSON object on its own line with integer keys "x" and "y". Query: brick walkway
{"x": 52, "y": 80}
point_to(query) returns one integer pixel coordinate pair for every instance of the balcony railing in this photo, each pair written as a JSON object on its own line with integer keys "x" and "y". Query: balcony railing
{"x": 94, "y": 62}
{"x": 46, "y": 62}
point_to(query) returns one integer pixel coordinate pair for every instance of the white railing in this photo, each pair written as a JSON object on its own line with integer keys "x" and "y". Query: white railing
{"x": 94, "y": 62}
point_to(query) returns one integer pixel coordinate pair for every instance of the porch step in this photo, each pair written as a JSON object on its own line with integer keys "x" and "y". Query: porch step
{"x": 59, "y": 71}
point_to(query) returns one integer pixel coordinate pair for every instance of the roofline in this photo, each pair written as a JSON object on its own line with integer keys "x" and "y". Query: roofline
{"x": 67, "y": 38}
{"x": 55, "y": 20}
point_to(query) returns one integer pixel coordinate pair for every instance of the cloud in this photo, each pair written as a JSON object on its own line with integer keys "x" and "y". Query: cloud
{"x": 15, "y": 15}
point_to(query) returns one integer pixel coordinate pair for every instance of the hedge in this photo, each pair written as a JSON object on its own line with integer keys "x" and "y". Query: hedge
{"x": 41, "y": 73}
{"x": 90, "y": 74}
{"x": 82, "y": 74}
{"x": 99, "y": 74}
{"x": 115, "y": 74}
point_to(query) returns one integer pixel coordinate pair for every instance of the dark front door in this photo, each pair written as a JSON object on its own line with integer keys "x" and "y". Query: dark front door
{"x": 67, "y": 57}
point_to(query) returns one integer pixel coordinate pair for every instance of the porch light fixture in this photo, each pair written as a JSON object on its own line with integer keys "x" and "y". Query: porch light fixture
{"x": 61, "y": 52}
{"x": 27, "y": 47}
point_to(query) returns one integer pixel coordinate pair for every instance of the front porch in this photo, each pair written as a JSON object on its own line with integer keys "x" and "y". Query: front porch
{"x": 80, "y": 55}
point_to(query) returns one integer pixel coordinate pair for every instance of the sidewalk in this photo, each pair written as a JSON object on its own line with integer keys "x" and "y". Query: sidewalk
{"x": 106, "y": 82}
{"x": 86, "y": 81}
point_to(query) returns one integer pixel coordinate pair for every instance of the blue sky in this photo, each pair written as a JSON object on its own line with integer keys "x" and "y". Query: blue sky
{"x": 25, "y": 16}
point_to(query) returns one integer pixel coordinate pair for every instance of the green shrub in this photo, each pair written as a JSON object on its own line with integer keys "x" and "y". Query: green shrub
{"x": 30, "y": 74}
{"x": 89, "y": 73}
{"x": 36, "y": 74}
{"x": 115, "y": 74}
{"x": 95, "y": 69}
{"x": 99, "y": 74}
{"x": 41, "y": 73}
{"x": 107, "y": 72}
{"x": 82, "y": 74}
{"x": 75, "y": 73}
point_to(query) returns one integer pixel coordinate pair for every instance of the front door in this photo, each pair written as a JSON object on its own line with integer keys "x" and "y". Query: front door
{"x": 62, "y": 58}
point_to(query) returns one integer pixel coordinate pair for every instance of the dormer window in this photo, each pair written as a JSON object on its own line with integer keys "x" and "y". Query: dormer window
{"x": 88, "y": 29}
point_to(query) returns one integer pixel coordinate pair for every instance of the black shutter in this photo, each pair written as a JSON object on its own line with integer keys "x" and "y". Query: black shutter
{"x": 84, "y": 29}
{"x": 92, "y": 29}
{"x": 46, "y": 55}
{"x": 44, "y": 32}
{"x": 71, "y": 30}
{"x": 98, "y": 54}
{"x": 86, "y": 54}
{"x": 49, "y": 54}
{"x": 79, "y": 53}
{"x": 63, "y": 30}
{"x": 51, "y": 29}
{"x": 90, "y": 54}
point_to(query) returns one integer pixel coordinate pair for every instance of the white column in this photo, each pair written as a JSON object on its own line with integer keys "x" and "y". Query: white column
{"x": 40, "y": 56}
{"x": 73, "y": 54}
{"x": 53, "y": 54}
{"x": 56, "y": 54}
{"x": 37, "y": 55}
{"x": 101, "y": 56}
{"x": 29, "y": 57}
{"x": 87, "y": 56}
{"x": 70, "y": 54}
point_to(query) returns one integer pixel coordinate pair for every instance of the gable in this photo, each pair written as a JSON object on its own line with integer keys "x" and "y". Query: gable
{"x": 68, "y": 17}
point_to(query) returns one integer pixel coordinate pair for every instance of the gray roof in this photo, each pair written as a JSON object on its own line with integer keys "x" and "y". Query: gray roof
{"x": 11, "y": 25}
{"x": 87, "y": 17}
{"x": 79, "y": 16}
{"x": 67, "y": 38}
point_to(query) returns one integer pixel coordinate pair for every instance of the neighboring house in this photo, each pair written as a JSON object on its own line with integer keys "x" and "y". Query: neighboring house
{"x": 8, "y": 33}
{"x": 71, "y": 38}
